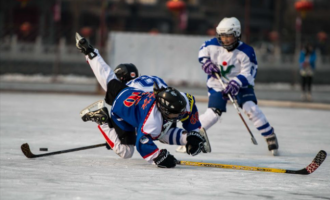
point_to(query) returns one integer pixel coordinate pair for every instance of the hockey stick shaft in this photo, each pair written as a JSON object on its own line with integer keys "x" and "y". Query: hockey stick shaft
{"x": 27, "y": 152}
{"x": 319, "y": 158}
{"x": 254, "y": 141}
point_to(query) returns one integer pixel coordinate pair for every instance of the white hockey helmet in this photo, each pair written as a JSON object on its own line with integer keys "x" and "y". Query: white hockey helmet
{"x": 229, "y": 26}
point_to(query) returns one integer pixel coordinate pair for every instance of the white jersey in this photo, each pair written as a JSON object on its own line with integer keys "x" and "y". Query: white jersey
{"x": 239, "y": 65}
{"x": 146, "y": 83}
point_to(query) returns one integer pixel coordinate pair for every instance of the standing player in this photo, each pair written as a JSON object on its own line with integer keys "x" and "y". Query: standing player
{"x": 238, "y": 69}
{"x": 137, "y": 117}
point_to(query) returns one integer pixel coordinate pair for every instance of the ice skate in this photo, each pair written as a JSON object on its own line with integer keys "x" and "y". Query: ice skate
{"x": 207, "y": 145}
{"x": 272, "y": 144}
{"x": 100, "y": 116}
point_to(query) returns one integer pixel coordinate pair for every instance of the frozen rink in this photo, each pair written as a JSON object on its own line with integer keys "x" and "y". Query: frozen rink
{"x": 53, "y": 121}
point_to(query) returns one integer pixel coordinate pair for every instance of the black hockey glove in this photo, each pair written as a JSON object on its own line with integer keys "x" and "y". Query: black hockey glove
{"x": 195, "y": 143}
{"x": 84, "y": 46}
{"x": 165, "y": 159}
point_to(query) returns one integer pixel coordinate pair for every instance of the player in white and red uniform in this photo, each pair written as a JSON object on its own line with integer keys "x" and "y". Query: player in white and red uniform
{"x": 237, "y": 66}
{"x": 139, "y": 117}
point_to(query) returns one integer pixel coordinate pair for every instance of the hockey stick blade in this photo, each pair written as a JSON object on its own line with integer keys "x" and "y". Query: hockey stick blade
{"x": 319, "y": 158}
{"x": 27, "y": 152}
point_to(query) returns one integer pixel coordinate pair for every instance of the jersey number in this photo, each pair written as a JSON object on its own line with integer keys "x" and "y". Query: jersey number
{"x": 148, "y": 81}
{"x": 132, "y": 99}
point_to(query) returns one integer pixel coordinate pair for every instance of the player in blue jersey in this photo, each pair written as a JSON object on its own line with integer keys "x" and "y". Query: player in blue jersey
{"x": 238, "y": 69}
{"x": 139, "y": 117}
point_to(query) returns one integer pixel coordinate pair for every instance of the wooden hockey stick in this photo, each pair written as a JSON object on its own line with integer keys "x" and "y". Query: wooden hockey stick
{"x": 254, "y": 141}
{"x": 319, "y": 158}
{"x": 27, "y": 152}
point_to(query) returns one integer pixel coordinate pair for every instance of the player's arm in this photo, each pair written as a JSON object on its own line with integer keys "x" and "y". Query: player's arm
{"x": 205, "y": 59}
{"x": 203, "y": 54}
{"x": 246, "y": 76}
{"x": 150, "y": 152}
{"x": 248, "y": 72}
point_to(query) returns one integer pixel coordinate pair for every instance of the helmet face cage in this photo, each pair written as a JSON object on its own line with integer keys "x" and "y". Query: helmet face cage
{"x": 126, "y": 72}
{"x": 170, "y": 101}
{"x": 231, "y": 46}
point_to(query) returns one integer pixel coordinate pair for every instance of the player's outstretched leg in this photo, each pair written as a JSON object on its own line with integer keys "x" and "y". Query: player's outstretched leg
{"x": 272, "y": 144}
{"x": 100, "y": 116}
{"x": 261, "y": 123}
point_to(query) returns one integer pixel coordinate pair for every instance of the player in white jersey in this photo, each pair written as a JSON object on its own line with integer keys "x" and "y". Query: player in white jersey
{"x": 237, "y": 66}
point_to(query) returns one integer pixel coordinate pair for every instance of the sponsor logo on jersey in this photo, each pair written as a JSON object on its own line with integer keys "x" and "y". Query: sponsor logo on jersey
{"x": 134, "y": 98}
{"x": 227, "y": 71}
{"x": 144, "y": 140}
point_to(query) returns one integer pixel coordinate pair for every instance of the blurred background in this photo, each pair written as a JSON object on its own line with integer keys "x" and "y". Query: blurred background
{"x": 161, "y": 37}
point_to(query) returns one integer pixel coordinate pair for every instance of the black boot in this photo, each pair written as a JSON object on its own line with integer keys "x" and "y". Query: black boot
{"x": 272, "y": 144}
{"x": 100, "y": 116}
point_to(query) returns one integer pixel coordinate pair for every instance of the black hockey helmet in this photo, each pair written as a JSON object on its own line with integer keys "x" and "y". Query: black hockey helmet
{"x": 170, "y": 101}
{"x": 126, "y": 72}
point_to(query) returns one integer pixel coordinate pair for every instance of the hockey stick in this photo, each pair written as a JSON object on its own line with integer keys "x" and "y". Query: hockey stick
{"x": 27, "y": 152}
{"x": 254, "y": 141}
{"x": 319, "y": 158}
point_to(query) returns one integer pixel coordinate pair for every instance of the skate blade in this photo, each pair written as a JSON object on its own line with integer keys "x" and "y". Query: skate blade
{"x": 181, "y": 149}
{"x": 207, "y": 145}
{"x": 94, "y": 106}
{"x": 78, "y": 37}
{"x": 275, "y": 152}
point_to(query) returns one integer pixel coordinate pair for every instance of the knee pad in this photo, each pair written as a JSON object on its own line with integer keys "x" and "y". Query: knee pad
{"x": 124, "y": 151}
{"x": 210, "y": 117}
{"x": 252, "y": 110}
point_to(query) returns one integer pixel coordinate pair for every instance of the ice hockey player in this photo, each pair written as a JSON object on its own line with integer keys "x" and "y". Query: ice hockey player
{"x": 138, "y": 117}
{"x": 237, "y": 66}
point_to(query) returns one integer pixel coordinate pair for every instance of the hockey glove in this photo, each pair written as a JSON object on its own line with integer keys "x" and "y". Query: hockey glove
{"x": 165, "y": 159}
{"x": 232, "y": 89}
{"x": 210, "y": 68}
{"x": 195, "y": 143}
{"x": 84, "y": 46}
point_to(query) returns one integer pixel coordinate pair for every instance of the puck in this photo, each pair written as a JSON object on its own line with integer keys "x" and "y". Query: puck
{"x": 43, "y": 149}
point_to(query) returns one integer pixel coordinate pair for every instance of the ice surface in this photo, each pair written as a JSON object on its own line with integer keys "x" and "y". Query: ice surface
{"x": 53, "y": 121}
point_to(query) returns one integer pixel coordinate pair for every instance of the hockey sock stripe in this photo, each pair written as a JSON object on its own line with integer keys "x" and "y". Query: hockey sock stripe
{"x": 268, "y": 132}
{"x": 106, "y": 137}
{"x": 178, "y": 136}
{"x": 263, "y": 126}
{"x": 171, "y": 136}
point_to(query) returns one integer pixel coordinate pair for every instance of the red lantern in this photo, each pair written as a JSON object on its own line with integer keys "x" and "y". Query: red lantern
{"x": 175, "y": 5}
{"x": 303, "y": 6}
{"x": 86, "y": 31}
{"x": 322, "y": 36}
{"x": 25, "y": 28}
{"x": 273, "y": 36}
